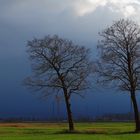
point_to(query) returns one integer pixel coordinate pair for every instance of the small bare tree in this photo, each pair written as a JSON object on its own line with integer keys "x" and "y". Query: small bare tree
{"x": 119, "y": 62}
{"x": 59, "y": 67}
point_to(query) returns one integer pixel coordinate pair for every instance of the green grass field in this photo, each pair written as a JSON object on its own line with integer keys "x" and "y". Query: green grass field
{"x": 53, "y": 131}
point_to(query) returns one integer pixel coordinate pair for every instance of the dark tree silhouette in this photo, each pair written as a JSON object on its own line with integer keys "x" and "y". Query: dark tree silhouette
{"x": 119, "y": 62}
{"x": 59, "y": 67}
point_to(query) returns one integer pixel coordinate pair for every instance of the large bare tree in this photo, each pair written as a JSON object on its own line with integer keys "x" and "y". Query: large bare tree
{"x": 119, "y": 62}
{"x": 59, "y": 67}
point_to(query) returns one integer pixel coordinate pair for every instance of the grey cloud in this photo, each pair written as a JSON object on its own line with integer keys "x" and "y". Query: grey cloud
{"x": 21, "y": 20}
{"x": 32, "y": 17}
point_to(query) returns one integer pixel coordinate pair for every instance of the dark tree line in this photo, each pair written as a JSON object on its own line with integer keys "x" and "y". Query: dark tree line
{"x": 63, "y": 68}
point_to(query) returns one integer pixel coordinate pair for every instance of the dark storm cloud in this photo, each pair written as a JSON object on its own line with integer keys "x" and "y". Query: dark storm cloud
{"x": 21, "y": 20}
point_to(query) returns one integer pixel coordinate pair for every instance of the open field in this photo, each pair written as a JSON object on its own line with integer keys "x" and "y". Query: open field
{"x": 53, "y": 131}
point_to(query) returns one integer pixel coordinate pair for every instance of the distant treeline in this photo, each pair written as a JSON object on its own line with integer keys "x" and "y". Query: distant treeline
{"x": 106, "y": 117}
{"x": 116, "y": 117}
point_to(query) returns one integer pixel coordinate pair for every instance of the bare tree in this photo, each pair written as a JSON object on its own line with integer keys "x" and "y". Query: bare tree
{"x": 59, "y": 67}
{"x": 119, "y": 62}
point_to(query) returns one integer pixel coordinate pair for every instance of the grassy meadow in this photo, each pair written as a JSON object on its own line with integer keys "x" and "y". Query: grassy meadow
{"x": 58, "y": 131}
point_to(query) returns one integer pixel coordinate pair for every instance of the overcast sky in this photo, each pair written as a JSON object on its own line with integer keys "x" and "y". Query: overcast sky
{"x": 78, "y": 20}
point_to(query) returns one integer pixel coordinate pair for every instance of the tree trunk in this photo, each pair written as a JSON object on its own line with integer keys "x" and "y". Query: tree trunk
{"x": 69, "y": 113}
{"x": 136, "y": 111}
